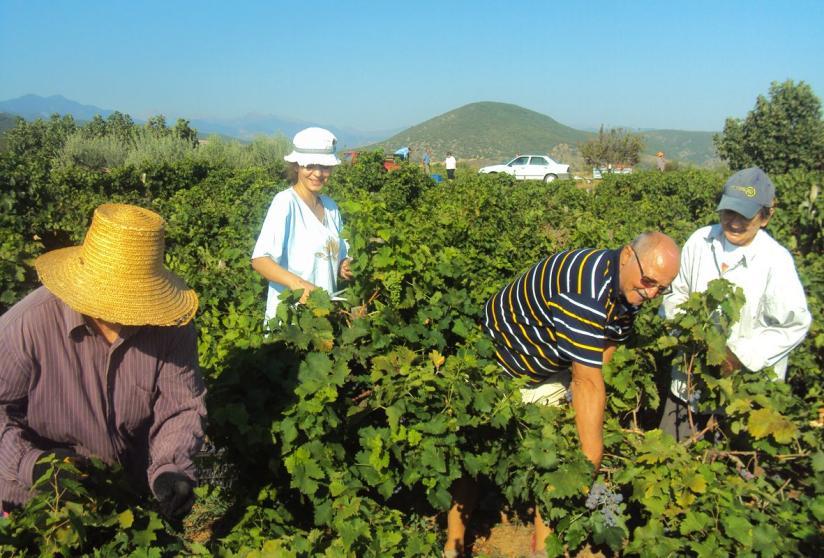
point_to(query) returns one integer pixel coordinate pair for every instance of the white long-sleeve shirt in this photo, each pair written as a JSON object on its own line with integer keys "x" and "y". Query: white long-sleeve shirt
{"x": 774, "y": 319}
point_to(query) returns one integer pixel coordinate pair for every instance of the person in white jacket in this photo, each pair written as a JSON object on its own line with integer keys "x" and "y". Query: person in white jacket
{"x": 774, "y": 319}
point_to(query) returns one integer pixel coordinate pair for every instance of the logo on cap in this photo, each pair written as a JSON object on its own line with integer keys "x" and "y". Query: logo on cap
{"x": 748, "y": 191}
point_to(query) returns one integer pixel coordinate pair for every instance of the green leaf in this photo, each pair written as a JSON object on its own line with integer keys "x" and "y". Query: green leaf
{"x": 304, "y": 470}
{"x": 554, "y": 546}
{"x": 709, "y": 548}
{"x": 765, "y": 422}
{"x": 817, "y": 507}
{"x": 147, "y": 536}
{"x": 126, "y": 519}
{"x": 818, "y": 461}
{"x": 432, "y": 457}
{"x": 739, "y": 406}
{"x": 764, "y": 537}
{"x": 459, "y": 328}
{"x": 737, "y": 527}
{"x": 697, "y": 483}
{"x": 656, "y": 447}
{"x": 694, "y": 521}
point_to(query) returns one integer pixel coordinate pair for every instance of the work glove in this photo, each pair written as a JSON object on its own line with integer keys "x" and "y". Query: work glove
{"x": 174, "y": 493}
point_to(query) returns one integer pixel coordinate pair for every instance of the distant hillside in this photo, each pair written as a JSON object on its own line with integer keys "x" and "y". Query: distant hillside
{"x": 490, "y": 131}
{"x": 246, "y": 127}
{"x": 485, "y": 131}
{"x": 693, "y": 147}
{"x": 32, "y": 107}
{"x": 251, "y": 125}
{"x": 493, "y": 131}
{"x": 7, "y": 122}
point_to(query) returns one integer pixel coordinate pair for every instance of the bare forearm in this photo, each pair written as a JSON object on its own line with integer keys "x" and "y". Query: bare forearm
{"x": 276, "y": 273}
{"x": 609, "y": 350}
{"x": 589, "y": 400}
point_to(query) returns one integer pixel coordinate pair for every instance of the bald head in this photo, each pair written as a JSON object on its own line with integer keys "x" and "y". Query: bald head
{"x": 658, "y": 262}
{"x": 660, "y": 250}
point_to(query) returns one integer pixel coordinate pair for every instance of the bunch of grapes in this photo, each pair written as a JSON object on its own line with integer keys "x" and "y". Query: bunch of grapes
{"x": 603, "y": 498}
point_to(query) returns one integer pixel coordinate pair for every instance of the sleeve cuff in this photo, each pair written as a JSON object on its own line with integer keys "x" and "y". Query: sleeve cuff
{"x": 26, "y": 470}
{"x": 750, "y": 363}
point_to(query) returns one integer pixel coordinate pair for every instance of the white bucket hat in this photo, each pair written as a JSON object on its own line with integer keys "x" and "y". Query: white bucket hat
{"x": 314, "y": 146}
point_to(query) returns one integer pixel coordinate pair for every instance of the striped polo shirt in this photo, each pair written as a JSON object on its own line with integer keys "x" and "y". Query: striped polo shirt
{"x": 563, "y": 309}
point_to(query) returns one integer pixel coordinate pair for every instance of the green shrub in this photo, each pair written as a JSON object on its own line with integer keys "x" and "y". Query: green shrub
{"x": 93, "y": 153}
{"x": 152, "y": 148}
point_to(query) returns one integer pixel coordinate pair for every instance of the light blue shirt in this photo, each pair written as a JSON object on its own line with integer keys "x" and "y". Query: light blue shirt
{"x": 298, "y": 241}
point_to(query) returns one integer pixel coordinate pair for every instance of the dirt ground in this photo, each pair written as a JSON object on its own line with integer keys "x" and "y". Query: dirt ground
{"x": 505, "y": 540}
{"x": 509, "y": 540}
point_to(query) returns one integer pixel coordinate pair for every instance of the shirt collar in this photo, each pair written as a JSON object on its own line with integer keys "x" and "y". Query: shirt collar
{"x": 615, "y": 283}
{"x": 76, "y": 324}
{"x": 715, "y": 239}
{"x": 73, "y": 320}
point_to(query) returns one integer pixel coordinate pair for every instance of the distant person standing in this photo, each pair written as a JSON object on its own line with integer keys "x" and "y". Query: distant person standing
{"x": 660, "y": 163}
{"x": 451, "y": 164}
{"x": 427, "y": 159}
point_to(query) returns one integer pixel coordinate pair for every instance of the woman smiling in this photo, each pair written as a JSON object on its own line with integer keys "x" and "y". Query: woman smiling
{"x": 299, "y": 246}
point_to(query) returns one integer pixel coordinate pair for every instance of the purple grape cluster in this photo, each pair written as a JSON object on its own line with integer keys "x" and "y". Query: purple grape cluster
{"x": 601, "y": 497}
{"x": 695, "y": 396}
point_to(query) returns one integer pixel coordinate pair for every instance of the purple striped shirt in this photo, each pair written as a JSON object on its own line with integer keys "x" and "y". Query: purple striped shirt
{"x": 138, "y": 402}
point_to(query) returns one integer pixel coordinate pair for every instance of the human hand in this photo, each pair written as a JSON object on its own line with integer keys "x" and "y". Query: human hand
{"x": 307, "y": 288}
{"x": 174, "y": 493}
{"x": 730, "y": 365}
{"x": 345, "y": 270}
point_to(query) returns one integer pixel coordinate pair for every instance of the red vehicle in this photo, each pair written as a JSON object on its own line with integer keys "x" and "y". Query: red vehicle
{"x": 390, "y": 162}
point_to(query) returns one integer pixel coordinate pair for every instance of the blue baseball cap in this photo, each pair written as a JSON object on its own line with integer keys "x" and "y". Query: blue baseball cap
{"x": 747, "y": 192}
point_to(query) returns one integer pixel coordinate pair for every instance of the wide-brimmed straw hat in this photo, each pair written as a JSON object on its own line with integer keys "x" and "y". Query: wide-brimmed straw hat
{"x": 314, "y": 146}
{"x": 117, "y": 274}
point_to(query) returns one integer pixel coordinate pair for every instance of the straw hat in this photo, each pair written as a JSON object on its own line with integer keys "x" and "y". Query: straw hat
{"x": 117, "y": 274}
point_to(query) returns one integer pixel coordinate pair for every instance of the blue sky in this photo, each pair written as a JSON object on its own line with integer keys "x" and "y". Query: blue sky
{"x": 379, "y": 65}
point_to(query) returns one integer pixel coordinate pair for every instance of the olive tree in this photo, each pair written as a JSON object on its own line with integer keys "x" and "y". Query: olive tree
{"x": 615, "y": 146}
{"x": 782, "y": 132}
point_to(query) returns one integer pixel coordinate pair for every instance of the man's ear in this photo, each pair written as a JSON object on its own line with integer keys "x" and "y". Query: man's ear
{"x": 766, "y": 221}
{"x": 625, "y": 254}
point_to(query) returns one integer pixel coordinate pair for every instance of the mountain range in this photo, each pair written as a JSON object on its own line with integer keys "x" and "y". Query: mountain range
{"x": 483, "y": 131}
{"x": 244, "y": 128}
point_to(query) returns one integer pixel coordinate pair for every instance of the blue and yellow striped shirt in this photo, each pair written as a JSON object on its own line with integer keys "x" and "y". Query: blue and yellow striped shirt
{"x": 563, "y": 309}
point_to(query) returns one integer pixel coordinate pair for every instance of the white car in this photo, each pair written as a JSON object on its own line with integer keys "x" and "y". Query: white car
{"x": 530, "y": 167}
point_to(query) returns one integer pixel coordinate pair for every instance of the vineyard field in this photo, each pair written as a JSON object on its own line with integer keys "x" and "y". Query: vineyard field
{"x": 340, "y": 433}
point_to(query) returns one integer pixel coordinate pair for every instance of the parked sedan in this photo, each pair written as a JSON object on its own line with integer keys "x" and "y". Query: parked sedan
{"x": 530, "y": 167}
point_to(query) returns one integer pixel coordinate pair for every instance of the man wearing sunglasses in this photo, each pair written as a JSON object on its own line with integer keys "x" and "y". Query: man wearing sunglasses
{"x": 774, "y": 319}
{"x": 557, "y": 324}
